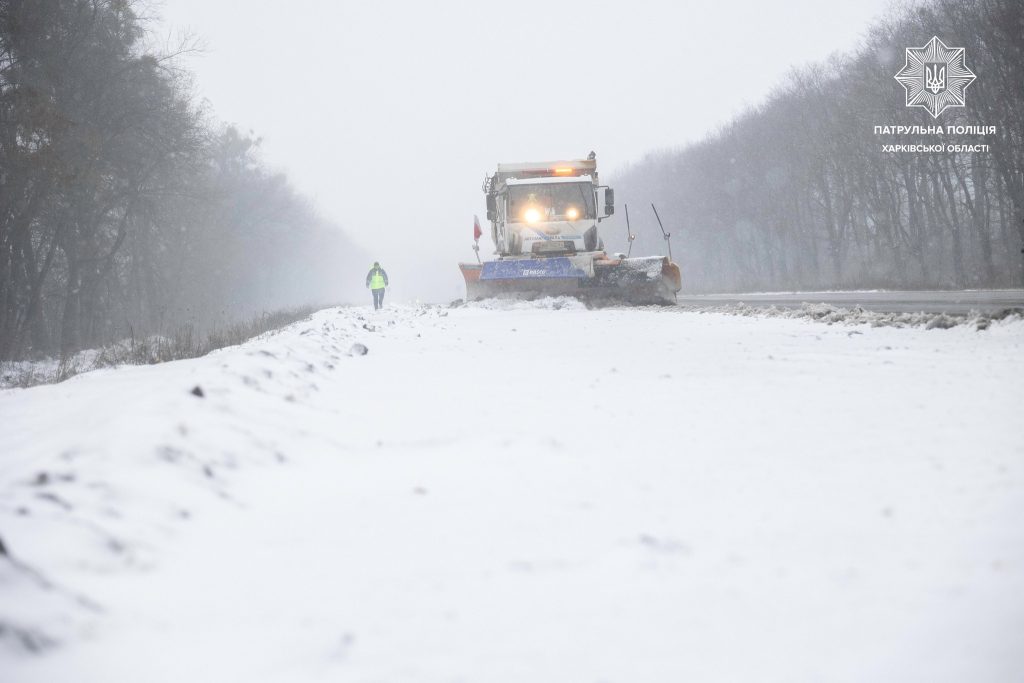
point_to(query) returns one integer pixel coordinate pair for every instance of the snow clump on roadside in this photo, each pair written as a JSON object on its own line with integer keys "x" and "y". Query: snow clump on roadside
{"x": 551, "y": 303}
{"x": 826, "y": 313}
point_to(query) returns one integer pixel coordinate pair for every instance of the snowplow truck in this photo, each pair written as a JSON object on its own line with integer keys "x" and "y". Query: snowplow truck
{"x": 544, "y": 220}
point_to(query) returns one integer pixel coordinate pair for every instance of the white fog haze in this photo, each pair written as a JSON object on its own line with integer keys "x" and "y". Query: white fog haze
{"x": 389, "y": 114}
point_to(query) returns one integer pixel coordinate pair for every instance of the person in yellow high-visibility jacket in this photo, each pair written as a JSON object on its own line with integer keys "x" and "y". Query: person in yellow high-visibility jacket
{"x": 377, "y": 280}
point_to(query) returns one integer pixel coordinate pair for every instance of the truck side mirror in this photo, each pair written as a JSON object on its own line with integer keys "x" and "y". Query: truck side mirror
{"x": 492, "y": 208}
{"x": 609, "y": 201}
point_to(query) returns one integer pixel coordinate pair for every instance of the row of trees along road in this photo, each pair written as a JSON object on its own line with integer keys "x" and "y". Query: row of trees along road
{"x": 798, "y": 194}
{"x": 124, "y": 208}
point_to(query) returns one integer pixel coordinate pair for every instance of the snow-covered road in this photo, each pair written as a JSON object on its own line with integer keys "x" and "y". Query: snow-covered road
{"x": 525, "y": 493}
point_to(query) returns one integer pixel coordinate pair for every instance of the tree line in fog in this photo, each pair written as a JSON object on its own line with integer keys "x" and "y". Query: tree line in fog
{"x": 125, "y": 208}
{"x": 797, "y": 193}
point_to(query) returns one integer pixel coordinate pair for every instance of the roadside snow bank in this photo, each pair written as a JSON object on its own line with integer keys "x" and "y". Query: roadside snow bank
{"x": 830, "y": 314}
{"x": 101, "y": 472}
{"x": 524, "y": 493}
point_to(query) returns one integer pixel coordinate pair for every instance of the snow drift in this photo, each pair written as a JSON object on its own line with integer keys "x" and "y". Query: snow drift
{"x": 524, "y": 492}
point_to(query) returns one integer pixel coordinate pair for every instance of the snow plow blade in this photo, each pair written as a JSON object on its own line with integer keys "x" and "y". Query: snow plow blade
{"x": 591, "y": 278}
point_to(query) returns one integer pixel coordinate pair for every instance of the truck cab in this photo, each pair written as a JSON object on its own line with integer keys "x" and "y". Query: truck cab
{"x": 547, "y": 208}
{"x": 544, "y": 218}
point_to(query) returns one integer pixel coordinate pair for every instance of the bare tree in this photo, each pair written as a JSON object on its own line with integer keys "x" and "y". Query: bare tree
{"x": 122, "y": 207}
{"x": 797, "y": 193}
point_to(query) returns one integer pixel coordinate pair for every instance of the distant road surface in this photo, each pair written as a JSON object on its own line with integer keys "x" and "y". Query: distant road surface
{"x": 983, "y": 300}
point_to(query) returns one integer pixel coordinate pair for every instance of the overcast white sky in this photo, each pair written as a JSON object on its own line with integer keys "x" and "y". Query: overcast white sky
{"x": 389, "y": 114}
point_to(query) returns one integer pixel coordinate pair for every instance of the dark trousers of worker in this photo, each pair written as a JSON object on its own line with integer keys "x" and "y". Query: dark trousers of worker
{"x": 378, "y": 298}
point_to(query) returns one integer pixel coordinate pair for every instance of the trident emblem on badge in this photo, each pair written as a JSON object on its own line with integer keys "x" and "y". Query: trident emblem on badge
{"x": 935, "y": 77}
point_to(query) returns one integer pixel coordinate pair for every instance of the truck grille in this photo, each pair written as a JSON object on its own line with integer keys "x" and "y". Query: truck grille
{"x": 554, "y": 247}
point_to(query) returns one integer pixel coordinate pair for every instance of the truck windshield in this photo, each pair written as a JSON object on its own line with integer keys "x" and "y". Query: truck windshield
{"x": 551, "y": 201}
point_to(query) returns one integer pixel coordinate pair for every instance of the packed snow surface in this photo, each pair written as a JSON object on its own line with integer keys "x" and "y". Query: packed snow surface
{"x": 524, "y": 492}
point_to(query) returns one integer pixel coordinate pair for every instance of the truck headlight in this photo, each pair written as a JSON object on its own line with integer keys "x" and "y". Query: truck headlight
{"x": 531, "y": 215}
{"x": 572, "y": 213}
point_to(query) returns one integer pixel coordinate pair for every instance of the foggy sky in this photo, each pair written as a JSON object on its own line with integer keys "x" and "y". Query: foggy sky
{"x": 389, "y": 114}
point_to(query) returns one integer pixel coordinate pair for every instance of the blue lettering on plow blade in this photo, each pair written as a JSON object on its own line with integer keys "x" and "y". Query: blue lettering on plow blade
{"x": 528, "y": 269}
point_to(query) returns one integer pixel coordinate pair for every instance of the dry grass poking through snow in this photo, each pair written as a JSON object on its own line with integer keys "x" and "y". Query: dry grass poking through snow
{"x": 183, "y": 342}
